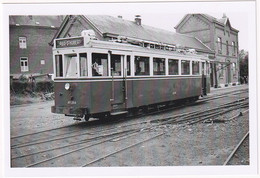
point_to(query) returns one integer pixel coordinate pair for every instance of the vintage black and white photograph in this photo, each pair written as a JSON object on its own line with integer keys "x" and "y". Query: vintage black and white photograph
{"x": 166, "y": 86}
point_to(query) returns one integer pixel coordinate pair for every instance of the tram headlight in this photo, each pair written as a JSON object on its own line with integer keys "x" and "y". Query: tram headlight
{"x": 67, "y": 86}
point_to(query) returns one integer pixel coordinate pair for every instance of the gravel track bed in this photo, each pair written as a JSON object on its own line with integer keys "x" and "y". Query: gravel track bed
{"x": 206, "y": 143}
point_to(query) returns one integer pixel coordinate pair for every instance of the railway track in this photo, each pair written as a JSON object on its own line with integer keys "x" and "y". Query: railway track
{"x": 70, "y": 134}
{"x": 236, "y": 149}
{"x": 43, "y": 152}
{"x": 96, "y": 124}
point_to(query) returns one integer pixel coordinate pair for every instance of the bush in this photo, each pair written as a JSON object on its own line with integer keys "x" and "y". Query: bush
{"x": 22, "y": 87}
{"x": 44, "y": 86}
{"x": 19, "y": 87}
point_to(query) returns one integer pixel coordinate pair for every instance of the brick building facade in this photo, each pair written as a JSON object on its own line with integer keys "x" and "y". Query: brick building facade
{"x": 29, "y": 37}
{"x": 222, "y": 38}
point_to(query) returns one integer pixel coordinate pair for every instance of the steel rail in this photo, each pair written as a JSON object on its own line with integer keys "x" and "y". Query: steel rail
{"x": 72, "y": 151}
{"x": 236, "y": 148}
{"x": 179, "y": 115}
{"x": 68, "y": 126}
{"x": 125, "y": 148}
{"x": 185, "y": 115}
{"x": 112, "y": 139}
{"x": 55, "y": 139}
{"x": 75, "y": 143}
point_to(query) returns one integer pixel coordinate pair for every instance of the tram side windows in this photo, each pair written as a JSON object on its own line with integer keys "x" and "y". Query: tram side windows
{"x": 59, "y": 65}
{"x": 70, "y": 65}
{"x": 99, "y": 64}
{"x": 142, "y": 65}
{"x": 195, "y": 68}
{"x": 128, "y": 61}
{"x": 116, "y": 65}
{"x": 83, "y": 64}
{"x": 173, "y": 67}
{"x": 185, "y": 67}
{"x": 158, "y": 66}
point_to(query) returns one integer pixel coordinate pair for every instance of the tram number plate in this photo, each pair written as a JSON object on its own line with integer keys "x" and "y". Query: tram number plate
{"x": 72, "y": 102}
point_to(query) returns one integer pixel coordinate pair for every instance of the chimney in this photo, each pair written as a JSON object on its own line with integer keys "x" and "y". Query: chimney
{"x": 224, "y": 15}
{"x": 120, "y": 16}
{"x": 138, "y": 19}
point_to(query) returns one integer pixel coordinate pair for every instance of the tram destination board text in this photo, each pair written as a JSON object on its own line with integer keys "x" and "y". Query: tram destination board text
{"x": 63, "y": 43}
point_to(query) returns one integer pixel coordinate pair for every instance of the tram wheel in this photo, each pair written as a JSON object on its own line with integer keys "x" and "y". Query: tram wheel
{"x": 86, "y": 117}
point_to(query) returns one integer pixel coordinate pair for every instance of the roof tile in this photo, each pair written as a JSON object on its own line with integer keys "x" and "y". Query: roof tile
{"x": 46, "y": 21}
{"x": 122, "y": 27}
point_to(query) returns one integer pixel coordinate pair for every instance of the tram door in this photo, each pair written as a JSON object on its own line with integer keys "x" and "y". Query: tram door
{"x": 118, "y": 93}
{"x": 204, "y": 79}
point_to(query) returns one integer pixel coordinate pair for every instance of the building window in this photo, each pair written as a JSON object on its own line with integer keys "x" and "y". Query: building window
{"x": 234, "y": 48}
{"x": 234, "y": 68}
{"x": 22, "y": 42}
{"x": 219, "y": 45}
{"x": 221, "y": 70}
{"x": 24, "y": 64}
{"x": 42, "y": 62}
{"x": 227, "y": 48}
{"x": 158, "y": 66}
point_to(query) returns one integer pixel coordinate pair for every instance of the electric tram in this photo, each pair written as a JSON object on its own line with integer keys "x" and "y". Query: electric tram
{"x": 96, "y": 78}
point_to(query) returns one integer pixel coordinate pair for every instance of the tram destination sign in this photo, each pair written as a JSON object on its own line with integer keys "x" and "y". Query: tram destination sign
{"x": 72, "y": 42}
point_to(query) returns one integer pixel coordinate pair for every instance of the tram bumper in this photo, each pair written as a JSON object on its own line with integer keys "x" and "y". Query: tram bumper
{"x": 69, "y": 110}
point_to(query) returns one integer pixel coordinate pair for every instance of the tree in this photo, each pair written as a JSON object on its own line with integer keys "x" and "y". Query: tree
{"x": 243, "y": 65}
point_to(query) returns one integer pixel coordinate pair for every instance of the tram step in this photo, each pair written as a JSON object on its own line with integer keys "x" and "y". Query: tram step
{"x": 117, "y": 106}
{"x": 118, "y": 113}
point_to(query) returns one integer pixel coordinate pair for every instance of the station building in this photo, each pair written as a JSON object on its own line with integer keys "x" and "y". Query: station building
{"x": 29, "y": 37}
{"x": 222, "y": 38}
{"x": 110, "y": 28}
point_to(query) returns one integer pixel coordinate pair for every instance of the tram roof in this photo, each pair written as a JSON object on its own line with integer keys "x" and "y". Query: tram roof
{"x": 116, "y": 47}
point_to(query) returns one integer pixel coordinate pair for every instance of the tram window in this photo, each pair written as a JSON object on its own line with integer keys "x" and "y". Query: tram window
{"x": 195, "y": 68}
{"x": 173, "y": 67}
{"x": 59, "y": 65}
{"x": 128, "y": 66}
{"x": 116, "y": 65}
{"x": 71, "y": 65}
{"x": 83, "y": 64}
{"x": 142, "y": 65}
{"x": 158, "y": 66}
{"x": 185, "y": 67}
{"x": 99, "y": 64}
